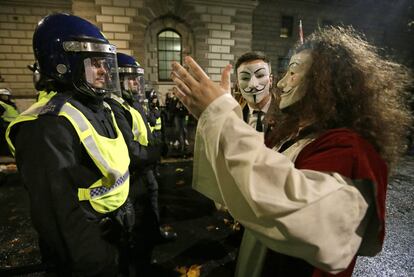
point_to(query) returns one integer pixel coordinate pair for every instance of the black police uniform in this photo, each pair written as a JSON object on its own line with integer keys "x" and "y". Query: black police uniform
{"x": 53, "y": 164}
{"x": 143, "y": 189}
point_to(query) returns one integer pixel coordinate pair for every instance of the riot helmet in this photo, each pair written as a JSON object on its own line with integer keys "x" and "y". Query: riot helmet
{"x": 72, "y": 53}
{"x": 131, "y": 75}
{"x": 5, "y": 91}
{"x": 5, "y": 94}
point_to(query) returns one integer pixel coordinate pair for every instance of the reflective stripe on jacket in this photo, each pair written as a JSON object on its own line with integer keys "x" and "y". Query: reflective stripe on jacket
{"x": 157, "y": 126}
{"x": 138, "y": 124}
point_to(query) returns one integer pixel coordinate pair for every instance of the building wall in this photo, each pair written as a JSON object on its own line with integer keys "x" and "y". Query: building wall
{"x": 18, "y": 19}
{"x": 215, "y": 32}
{"x": 385, "y": 24}
{"x": 211, "y": 32}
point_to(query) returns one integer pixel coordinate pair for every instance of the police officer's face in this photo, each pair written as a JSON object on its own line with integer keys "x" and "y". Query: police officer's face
{"x": 97, "y": 72}
{"x": 100, "y": 72}
{"x": 133, "y": 84}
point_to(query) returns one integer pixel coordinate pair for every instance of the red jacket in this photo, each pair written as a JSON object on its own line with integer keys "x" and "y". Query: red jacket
{"x": 347, "y": 153}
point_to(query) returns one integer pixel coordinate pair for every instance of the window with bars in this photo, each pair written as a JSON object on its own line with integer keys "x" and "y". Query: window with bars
{"x": 286, "y": 28}
{"x": 169, "y": 50}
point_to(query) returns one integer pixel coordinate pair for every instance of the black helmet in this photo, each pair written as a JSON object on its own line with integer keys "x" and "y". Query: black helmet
{"x": 72, "y": 53}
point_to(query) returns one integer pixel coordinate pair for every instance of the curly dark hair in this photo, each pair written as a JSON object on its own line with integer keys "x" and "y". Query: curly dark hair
{"x": 349, "y": 85}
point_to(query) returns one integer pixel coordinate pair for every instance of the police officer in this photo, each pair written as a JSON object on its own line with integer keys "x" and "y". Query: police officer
{"x": 134, "y": 127}
{"x": 154, "y": 111}
{"x": 70, "y": 153}
{"x": 133, "y": 122}
{"x": 8, "y": 112}
{"x": 156, "y": 127}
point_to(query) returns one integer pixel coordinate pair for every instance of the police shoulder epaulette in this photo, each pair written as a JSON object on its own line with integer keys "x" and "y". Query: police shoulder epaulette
{"x": 55, "y": 104}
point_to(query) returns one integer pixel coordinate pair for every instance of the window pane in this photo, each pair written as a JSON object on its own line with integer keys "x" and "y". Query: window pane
{"x": 161, "y": 55}
{"x": 169, "y": 49}
{"x": 161, "y": 44}
{"x": 177, "y": 46}
{"x": 164, "y": 75}
{"x": 169, "y": 45}
{"x": 161, "y": 75}
{"x": 177, "y": 56}
{"x": 287, "y": 27}
{"x": 163, "y": 65}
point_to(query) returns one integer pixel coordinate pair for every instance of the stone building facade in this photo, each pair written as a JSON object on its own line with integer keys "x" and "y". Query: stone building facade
{"x": 215, "y": 32}
{"x": 386, "y": 24}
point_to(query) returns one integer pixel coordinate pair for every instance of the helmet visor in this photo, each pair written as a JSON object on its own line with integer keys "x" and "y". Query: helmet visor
{"x": 135, "y": 84}
{"x": 101, "y": 73}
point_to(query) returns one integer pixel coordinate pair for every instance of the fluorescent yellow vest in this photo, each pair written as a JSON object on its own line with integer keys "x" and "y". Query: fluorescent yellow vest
{"x": 157, "y": 126}
{"x": 109, "y": 155}
{"x": 139, "y": 129}
{"x": 44, "y": 94}
{"x": 10, "y": 112}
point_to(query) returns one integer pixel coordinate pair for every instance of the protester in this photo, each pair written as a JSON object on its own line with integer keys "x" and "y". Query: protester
{"x": 312, "y": 207}
{"x": 254, "y": 80}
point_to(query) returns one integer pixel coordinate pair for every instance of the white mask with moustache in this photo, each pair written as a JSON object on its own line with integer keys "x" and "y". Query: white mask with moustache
{"x": 254, "y": 80}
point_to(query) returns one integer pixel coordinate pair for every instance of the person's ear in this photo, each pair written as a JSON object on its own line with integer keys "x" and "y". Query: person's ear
{"x": 271, "y": 80}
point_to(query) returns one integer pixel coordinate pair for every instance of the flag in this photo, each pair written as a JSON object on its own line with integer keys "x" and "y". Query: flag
{"x": 300, "y": 31}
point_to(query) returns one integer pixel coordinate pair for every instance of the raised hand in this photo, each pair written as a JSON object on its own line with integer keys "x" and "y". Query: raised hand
{"x": 196, "y": 91}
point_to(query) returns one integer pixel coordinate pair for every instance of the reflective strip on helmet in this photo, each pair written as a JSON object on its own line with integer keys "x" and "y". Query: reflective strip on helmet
{"x": 4, "y": 91}
{"x": 85, "y": 46}
{"x": 131, "y": 70}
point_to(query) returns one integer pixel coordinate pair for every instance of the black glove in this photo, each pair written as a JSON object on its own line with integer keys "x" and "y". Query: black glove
{"x": 154, "y": 153}
{"x": 110, "y": 230}
{"x": 125, "y": 216}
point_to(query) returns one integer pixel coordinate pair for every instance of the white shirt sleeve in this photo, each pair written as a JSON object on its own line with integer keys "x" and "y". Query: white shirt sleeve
{"x": 302, "y": 213}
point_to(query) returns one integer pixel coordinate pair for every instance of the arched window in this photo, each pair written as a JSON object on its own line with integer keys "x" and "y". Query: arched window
{"x": 169, "y": 49}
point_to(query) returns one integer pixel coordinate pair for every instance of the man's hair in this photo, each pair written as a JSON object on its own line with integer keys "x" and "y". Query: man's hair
{"x": 349, "y": 85}
{"x": 251, "y": 56}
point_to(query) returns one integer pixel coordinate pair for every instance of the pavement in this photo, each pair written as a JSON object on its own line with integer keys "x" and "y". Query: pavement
{"x": 207, "y": 239}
